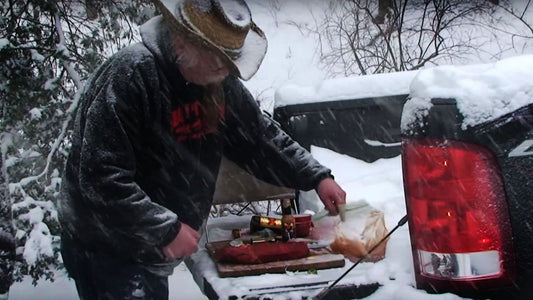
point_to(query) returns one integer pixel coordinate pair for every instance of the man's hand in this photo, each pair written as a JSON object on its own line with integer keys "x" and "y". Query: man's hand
{"x": 332, "y": 195}
{"x": 185, "y": 243}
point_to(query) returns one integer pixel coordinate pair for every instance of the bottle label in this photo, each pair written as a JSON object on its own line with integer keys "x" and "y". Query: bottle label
{"x": 270, "y": 222}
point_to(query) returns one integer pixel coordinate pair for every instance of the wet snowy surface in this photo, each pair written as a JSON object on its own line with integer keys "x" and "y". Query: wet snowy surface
{"x": 483, "y": 92}
{"x": 376, "y": 85}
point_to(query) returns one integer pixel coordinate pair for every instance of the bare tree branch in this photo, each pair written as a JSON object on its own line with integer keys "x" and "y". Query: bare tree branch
{"x": 412, "y": 34}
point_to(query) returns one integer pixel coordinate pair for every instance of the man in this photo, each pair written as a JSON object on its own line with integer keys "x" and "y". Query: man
{"x": 152, "y": 127}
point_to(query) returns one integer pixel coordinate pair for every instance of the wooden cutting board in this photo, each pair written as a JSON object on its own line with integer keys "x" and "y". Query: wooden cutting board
{"x": 319, "y": 259}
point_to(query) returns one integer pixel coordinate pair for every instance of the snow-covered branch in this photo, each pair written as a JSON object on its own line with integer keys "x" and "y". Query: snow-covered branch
{"x": 68, "y": 66}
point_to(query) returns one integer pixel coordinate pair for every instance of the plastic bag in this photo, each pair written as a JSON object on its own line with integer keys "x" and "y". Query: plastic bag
{"x": 363, "y": 229}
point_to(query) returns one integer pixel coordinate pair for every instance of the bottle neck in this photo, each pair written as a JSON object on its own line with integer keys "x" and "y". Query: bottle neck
{"x": 286, "y": 207}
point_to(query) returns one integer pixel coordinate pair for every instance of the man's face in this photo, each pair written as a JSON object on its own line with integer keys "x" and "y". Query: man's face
{"x": 200, "y": 65}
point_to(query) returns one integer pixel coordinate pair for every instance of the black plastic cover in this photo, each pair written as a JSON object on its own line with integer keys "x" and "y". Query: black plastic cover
{"x": 367, "y": 129}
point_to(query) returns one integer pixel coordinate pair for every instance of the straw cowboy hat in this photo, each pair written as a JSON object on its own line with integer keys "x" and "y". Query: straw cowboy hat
{"x": 224, "y": 26}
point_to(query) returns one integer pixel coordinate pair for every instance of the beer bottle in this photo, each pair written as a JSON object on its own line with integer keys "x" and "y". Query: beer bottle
{"x": 258, "y": 223}
{"x": 287, "y": 220}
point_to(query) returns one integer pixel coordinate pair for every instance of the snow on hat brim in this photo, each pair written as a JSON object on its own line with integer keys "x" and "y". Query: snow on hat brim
{"x": 243, "y": 63}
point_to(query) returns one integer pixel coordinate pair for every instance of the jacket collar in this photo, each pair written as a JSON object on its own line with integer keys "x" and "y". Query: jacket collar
{"x": 157, "y": 37}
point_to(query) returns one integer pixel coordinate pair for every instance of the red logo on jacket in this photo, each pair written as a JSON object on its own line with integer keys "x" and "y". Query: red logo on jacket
{"x": 190, "y": 121}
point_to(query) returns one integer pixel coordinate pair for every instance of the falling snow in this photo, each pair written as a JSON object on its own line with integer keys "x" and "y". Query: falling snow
{"x": 290, "y": 68}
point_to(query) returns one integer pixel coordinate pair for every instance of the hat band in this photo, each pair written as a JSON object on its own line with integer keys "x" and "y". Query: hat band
{"x": 210, "y": 26}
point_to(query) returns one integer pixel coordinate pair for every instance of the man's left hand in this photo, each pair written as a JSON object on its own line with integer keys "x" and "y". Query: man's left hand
{"x": 332, "y": 195}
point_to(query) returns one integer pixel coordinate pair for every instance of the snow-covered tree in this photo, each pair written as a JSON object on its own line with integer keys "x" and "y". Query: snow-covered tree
{"x": 47, "y": 50}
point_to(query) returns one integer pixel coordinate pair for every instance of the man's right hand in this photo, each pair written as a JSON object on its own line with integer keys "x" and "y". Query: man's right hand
{"x": 185, "y": 243}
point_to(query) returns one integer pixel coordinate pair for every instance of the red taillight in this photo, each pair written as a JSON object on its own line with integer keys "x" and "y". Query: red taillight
{"x": 458, "y": 217}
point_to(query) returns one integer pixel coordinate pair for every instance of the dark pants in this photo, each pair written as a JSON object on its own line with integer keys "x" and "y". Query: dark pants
{"x": 100, "y": 276}
{"x": 7, "y": 246}
{"x": 7, "y": 261}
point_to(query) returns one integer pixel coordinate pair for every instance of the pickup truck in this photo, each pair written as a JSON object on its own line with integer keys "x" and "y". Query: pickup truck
{"x": 465, "y": 137}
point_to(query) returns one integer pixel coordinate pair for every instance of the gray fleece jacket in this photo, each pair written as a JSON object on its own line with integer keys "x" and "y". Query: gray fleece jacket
{"x": 143, "y": 162}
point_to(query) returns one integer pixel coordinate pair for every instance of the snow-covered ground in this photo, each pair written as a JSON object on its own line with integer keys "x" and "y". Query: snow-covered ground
{"x": 291, "y": 58}
{"x": 181, "y": 287}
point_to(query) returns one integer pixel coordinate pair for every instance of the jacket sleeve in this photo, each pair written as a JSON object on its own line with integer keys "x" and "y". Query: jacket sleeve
{"x": 107, "y": 168}
{"x": 257, "y": 144}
